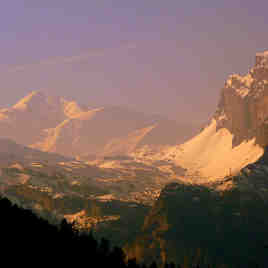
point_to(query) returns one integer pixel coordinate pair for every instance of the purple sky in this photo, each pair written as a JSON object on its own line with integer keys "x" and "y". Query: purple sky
{"x": 166, "y": 57}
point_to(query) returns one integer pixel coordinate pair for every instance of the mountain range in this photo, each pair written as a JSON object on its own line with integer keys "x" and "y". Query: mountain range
{"x": 234, "y": 137}
{"x": 53, "y": 124}
{"x": 134, "y": 178}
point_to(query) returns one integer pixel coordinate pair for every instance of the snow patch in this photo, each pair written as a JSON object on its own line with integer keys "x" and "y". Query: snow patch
{"x": 243, "y": 92}
{"x": 211, "y": 153}
{"x": 23, "y": 103}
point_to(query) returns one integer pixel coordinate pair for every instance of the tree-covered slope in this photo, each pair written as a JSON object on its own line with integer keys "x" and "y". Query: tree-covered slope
{"x": 221, "y": 223}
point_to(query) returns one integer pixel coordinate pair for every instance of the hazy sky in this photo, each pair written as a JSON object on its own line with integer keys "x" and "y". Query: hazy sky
{"x": 169, "y": 57}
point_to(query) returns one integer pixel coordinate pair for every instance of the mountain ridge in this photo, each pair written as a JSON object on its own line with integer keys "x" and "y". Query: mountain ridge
{"x": 57, "y": 125}
{"x": 237, "y": 133}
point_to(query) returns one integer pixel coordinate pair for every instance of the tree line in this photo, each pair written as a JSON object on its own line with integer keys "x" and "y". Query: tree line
{"x": 27, "y": 239}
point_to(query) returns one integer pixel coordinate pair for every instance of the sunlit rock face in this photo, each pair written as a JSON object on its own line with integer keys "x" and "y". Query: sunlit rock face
{"x": 238, "y": 131}
{"x": 243, "y": 107}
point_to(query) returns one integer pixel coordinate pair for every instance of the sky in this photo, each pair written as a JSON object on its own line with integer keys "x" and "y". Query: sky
{"x": 161, "y": 57}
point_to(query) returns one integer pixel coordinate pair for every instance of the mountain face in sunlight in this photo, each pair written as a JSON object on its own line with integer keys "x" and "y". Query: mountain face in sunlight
{"x": 27, "y": 119}
{"x": 54, "y": 124}
{"x": 143, "y": 190}
{"x": 237, "y": 132}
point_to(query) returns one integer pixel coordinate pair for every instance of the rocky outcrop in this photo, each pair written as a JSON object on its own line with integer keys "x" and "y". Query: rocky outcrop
{"x": 243, "y": 106}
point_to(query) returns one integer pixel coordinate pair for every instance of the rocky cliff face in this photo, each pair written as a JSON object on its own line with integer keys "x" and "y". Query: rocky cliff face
{"x": 237, "y": 133}
{"x": 243, "y": 106}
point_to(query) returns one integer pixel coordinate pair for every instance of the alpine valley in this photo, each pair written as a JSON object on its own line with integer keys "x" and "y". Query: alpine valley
{"x": 152, "y": 185}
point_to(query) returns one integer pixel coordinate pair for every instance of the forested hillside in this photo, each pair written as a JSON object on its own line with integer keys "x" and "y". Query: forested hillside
{"x": 29, "y": 239}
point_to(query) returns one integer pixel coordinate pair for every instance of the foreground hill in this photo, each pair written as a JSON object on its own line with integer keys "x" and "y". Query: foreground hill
{"x": 54, "y": 124}
{"x": 34, "y": 240}
{"x": 61, "y": 244}
{"x": 223, "y": 222}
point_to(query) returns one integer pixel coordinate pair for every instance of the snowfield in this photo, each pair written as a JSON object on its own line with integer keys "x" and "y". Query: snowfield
{"x": 211, "y": 153}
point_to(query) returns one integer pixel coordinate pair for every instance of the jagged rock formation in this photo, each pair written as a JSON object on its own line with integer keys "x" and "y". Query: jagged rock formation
{"x": 54, "y": 124}
{"x": 243, "y": 107}
{"x": 238, "y": 130}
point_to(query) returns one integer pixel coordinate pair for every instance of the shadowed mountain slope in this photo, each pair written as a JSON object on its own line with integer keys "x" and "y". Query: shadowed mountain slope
{"x": 222, "y": 222}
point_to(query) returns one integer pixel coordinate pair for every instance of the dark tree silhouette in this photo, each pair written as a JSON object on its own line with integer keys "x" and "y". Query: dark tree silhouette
{"x": 31, "y": 240}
